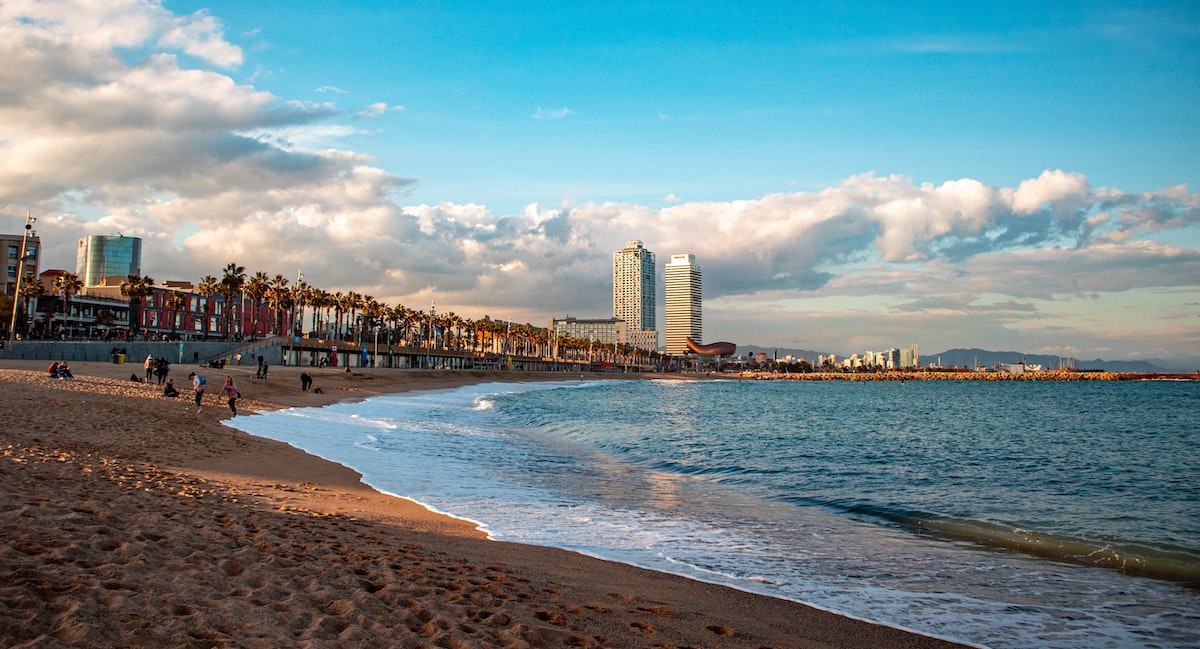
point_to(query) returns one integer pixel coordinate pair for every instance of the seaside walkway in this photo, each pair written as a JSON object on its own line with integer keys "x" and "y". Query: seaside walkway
{"x": 283, "y": 350}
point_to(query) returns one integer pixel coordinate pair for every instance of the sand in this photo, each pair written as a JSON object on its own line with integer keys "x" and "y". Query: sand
{"x": 126, "y": 519}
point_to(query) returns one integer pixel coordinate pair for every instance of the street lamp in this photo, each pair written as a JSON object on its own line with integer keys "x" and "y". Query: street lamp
{"x": 12, "y": 328}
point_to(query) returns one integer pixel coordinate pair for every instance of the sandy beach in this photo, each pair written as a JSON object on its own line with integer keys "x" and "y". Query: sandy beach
{"x": 130, "y": 520}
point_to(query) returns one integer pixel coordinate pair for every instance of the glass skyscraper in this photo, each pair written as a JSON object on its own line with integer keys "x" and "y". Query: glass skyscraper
{"x": 682, "y": 278}
{"x": 105, "y": 256}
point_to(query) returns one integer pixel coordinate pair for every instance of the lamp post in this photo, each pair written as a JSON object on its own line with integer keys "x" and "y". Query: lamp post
{"x": 12, "y": 327}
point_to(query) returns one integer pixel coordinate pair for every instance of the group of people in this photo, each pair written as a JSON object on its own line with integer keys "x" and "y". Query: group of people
{"x": 228, "y": 391}
{"x": 60, "y": 370}
{"x": 157, "y": 368}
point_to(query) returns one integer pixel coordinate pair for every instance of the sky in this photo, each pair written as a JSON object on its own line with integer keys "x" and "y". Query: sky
{"x": 850, "y": 176}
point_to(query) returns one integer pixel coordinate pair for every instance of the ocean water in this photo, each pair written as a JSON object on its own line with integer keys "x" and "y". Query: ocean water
{"x": 1015, "y": 514}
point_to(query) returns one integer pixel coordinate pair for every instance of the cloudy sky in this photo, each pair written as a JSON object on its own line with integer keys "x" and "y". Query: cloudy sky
{"x": 850, "y": 176}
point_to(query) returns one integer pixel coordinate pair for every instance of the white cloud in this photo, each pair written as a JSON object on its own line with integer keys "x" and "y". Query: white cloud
{"x": 557, "y": 113}
{"x": 182, "y": 154}
{"x": 375, "y": 110}
{"x": 1051, "y": 186}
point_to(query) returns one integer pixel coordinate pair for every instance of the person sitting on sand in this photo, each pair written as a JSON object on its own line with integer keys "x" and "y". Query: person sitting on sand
{"x": 64, "y": 371}
{"x": 169, "y": 390}
{"x": 53, "y": 370}
{"x": 230, "y": 391}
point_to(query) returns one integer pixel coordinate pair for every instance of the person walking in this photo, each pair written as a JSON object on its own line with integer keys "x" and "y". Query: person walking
{"x": 197, "y": 386}
{"x": 230, "y": 391}
{"x": 149, "y": 365}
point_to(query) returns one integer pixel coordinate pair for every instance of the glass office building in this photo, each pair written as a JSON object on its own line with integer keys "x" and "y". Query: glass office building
{"x": 99, "y": 257}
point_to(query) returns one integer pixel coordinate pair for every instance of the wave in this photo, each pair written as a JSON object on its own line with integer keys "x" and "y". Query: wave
{"x": 1132, "y": 558}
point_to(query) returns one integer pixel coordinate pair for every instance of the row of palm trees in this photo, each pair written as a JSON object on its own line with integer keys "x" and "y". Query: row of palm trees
{"x": 352, "y": 316}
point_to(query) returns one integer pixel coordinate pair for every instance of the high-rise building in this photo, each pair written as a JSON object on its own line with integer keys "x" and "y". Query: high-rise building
{"x": 11, "y": 244}
{"x": 99, "y": 257}
{"x": 633, "y": 293}
{"x": 682, "y": 278}
{"x": 633, "y": 286}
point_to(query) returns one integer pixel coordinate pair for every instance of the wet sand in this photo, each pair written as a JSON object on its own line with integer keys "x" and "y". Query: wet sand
{"x": 129, "y": 520}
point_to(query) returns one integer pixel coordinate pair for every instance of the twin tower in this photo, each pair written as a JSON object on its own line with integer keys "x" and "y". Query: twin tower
{"x": 634, "y": 290}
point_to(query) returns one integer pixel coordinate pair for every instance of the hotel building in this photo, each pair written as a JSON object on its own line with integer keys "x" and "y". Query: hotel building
{"x": 682, "y": 278}
{"x": 633, "y": 294}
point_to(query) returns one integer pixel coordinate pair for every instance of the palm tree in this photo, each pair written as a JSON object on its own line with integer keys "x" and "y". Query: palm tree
{"x": 338, "y": 303}
{"x": 207, "y": 289}
{"x": 31, "y": 289}
{"x": 231, "y": 284}
{"x": 174, "y": 303}
{"x": 67, "y": 284}
{"x": 301, "y": 293}
{"x": 256, "y": 289}
{"x": 136, "y": 288}
{"x": 279, "y": 298}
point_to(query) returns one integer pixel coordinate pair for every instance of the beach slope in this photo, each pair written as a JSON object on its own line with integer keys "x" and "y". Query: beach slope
{"x": 126, "y": 519}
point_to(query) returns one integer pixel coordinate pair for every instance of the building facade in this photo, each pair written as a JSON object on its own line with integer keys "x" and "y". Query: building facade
{"x": 634, "y": 274}
{"x": 101, "y": 256}
{"x": 683, "y": 302}
{"x": 607, "y": 331}
{"x": 10, "y": 246}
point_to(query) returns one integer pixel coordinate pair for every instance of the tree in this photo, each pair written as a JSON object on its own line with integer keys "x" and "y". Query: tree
{"x": 174, "y": 303}
{"x": 67, "y": 284}
{"x": 256, "y": 289}
{"x": 136, "y": 288}
{"x": 31, "y": 288}
{"x": 232, "y": 281}
{"x": 207, "y": 289}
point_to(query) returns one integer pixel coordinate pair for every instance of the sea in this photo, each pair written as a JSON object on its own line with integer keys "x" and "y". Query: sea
{"x": 997, "y": 514}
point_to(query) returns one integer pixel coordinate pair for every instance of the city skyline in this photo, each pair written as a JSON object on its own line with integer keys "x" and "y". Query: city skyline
{"x": 953, "y": 176}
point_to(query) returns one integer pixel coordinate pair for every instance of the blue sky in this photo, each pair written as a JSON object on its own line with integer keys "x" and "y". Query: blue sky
{"x": 729, "y": 100}
{"x": 851, "y": 176}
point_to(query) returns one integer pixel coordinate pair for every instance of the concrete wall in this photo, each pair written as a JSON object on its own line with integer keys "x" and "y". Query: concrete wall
{"x": 136, "y": 352}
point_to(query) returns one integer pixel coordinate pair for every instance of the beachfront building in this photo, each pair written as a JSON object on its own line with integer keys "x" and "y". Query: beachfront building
{"x": 14, "y": 267}
{"x": 634, "y": 275}
{"x": 605, "y": 332}
{"x": 100, "y": 256}
{"x": 683, "y": 301}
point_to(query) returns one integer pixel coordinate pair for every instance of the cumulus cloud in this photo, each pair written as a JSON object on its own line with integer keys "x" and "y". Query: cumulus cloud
{"x": 208, "y": 171}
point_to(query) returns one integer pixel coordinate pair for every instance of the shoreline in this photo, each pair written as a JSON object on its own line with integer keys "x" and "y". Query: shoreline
{"x": 129, "y": 519}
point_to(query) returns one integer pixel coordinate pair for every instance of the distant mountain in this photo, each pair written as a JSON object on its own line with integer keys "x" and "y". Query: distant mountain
{"x": 984, "y": 358}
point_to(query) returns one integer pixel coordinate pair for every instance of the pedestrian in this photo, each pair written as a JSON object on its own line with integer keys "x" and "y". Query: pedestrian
{"x": 197, "y": 386}
{"x": 261, "y": 373}
{"x": 161, "y": 369}
{"x": 149, "y": 365}
{"x": 263, "y": 370}
{"x": 305, "y": 381}
{"x": 230, "y": 391}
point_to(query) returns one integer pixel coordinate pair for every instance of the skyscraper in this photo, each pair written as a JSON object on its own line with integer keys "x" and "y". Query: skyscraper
{"x": 99, "y": 257}
{"x": 683, "y": 301}
{"x": 633, "y": 289}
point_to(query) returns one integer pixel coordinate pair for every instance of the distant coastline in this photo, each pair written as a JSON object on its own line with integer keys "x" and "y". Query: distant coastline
{"x": 944, "y": 375}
